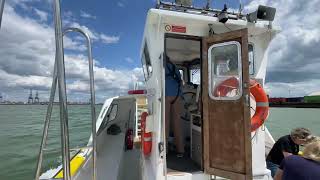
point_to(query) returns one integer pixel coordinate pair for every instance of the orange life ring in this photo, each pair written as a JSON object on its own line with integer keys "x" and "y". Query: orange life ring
{"x": 226, "y": 86}
{"x": 261, "y": 98}
{"x": 146, "y": 137}
{"x": 262, "y": 105}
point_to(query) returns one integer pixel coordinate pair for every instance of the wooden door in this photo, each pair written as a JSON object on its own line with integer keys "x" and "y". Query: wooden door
{"x": 226, "y": 113}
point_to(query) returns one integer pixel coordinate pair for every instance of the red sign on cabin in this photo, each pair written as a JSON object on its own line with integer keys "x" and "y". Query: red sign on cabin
{"x": 178, "y": 29}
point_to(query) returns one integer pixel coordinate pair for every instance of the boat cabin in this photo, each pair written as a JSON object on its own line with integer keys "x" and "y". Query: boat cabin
{"x": 217, "y": 54}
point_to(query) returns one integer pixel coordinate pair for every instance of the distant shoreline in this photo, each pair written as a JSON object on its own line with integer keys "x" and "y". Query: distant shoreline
{"x": 295, "y": 105}
{"x": 46, "y": 104}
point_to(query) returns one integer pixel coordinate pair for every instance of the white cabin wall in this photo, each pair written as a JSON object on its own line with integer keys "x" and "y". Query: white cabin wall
{"x": 153, "y": 165}
{"x": 196, "y": 25}
{"x": 261, "y": 43}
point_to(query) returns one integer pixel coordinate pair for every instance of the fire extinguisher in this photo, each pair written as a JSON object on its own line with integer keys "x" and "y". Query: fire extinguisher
{"x": 129, "y": 139}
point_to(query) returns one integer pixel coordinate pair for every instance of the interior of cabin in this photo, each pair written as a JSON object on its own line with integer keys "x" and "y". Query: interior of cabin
{"x": 185, "y": 53}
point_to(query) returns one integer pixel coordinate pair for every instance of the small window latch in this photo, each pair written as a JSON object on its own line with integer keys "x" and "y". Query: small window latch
{"x": 161, "y": 149}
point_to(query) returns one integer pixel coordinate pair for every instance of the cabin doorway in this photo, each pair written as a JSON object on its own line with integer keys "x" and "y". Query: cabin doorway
{"x": 183, "y": 107}
{"x": 214, "y": 120}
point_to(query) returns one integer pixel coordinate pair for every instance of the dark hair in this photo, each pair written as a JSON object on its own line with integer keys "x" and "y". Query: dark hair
{"x": 300, "y": 133}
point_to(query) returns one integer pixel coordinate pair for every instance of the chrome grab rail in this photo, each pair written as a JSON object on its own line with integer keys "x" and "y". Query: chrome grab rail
{"x": 59, "y": 77}
{"x": 62, "y": 90}
{"x": 1, "y": 10}
{"x": 92, "y": 99}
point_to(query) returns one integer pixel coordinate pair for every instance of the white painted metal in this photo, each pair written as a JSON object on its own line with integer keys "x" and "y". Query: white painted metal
{"x": 197, "y": 25}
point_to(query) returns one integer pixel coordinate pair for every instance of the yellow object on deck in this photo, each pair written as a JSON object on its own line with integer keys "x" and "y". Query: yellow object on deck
{"x": 300, "y": 153}
{"x": 75, "y": 164}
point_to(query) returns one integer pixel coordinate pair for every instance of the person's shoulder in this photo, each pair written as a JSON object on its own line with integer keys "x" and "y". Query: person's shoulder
{"x": 284, "y": 138}
{"x": 294, "y": 159}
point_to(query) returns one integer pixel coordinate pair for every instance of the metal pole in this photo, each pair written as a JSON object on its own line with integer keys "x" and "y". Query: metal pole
{"x": 47, "y": 121}
{"x": 62, "y": 90}
{"x": 208, "y": 4}
{"x": 92, "y": 99}
{"x": 1, "y": 10}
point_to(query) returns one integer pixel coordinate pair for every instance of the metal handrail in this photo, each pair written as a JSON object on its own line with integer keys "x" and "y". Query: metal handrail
{"x": 62, "y": 90}
{"x": 1, "y": 10}
{"x": 64, "y": 122}
{"x": 92, "y": 99}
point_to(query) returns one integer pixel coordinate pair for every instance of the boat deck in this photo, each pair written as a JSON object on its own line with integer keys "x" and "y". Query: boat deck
{"x": 184, "y": 164}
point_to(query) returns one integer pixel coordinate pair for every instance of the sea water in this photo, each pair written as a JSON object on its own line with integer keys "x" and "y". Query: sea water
{"x": 21, "y": 131}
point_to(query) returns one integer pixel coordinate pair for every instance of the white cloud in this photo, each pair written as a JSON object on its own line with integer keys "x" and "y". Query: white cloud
{"x": 87, "y": 15}
{"x": 27, "y": 56}
{"x": 109, "y": 39}
{"x": 97, "y": 36}
{"x": 42, "y": 15}
{"x": 129, "y": 60}
{"x": 120, "y": 4}
{"x": 294, "y": 59}
{"x": 296, "y": 89}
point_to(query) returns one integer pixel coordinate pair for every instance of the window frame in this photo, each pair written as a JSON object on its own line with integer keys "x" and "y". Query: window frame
{"x": 238, "y": 96}
{"x": 106, "y": 121}
{"x": 113, "y": 105}
{"x": 146, "y": 55}
{"x": 190, "y": 72}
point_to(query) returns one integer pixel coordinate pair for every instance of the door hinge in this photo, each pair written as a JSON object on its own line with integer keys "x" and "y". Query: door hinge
{"x": 247, "y": 100}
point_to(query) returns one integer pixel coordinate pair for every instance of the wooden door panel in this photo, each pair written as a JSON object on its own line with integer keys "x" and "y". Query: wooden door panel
{"x": 226, "y": 123}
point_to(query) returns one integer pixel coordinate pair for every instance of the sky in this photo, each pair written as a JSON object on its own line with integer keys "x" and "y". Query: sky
{"x": 116, "y": 27}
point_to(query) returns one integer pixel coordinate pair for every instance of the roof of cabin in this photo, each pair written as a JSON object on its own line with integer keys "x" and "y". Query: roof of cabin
{"x": 170, "y": 16}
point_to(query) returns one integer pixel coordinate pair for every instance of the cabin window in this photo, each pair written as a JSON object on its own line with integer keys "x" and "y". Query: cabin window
{"x": 104, "y": 111}
{"x": 251, "y": 59}
{"x": 146, "y": 63}
{"x": 113, "y": 112}
{"x": 225, "y": 71}
{"x": 181, "y": 74}
{"x": 110, "y": 116}
{"x": 195, "y": 76}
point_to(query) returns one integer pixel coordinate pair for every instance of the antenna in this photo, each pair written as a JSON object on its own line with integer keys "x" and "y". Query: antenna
{"x": 240, "y": 7}
{"x": 1, "y": 10}
{"x": 208, "y": 4}
{"x": 187, "y": 3}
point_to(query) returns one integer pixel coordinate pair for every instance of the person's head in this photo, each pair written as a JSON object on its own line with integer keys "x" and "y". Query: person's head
{"x": 300, "y": 136}
{"x": 312, "y": 151}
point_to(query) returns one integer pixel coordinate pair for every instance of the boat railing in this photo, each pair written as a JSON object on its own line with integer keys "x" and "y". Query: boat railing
{"x": 59, "y": 79}
{"x": 1, "y": 10}
{"x": 207, "y": 10}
